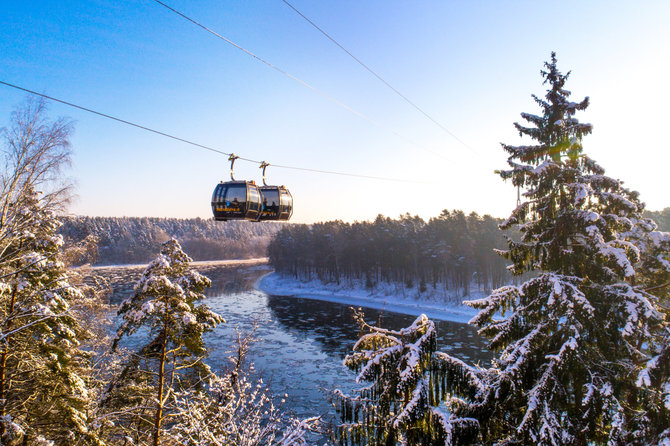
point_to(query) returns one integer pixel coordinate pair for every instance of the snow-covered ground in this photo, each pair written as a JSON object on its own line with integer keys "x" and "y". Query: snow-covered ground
{"x": 390, "y": 297}
{"x": 201, "y": 263}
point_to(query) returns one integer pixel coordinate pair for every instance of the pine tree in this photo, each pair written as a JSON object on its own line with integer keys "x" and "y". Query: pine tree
{"x": 44, "y": 372}
{"x": 164, "y": 307}
{"x": 403, "y": 402}
{"x": 654, "y": 379}
{"x": 572, "y": 340}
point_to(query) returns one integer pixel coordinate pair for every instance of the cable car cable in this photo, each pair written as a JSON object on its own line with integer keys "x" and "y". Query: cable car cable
{"x": 113, "y": 117}
{"x": 202, "y": 146}
{"x": 379, "y": 77}
{"x": 300, "y": 81}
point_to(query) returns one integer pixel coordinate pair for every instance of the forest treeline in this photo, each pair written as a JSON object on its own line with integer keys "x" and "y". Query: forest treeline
{"x": 119, "y": 240}
{"x": 454, "y": 251}
{"x": 662, "y": 218}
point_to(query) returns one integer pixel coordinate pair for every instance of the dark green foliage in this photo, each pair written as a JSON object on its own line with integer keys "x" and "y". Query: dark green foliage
{"x": 43, "y": 371}
{"x": 402, "y": 403}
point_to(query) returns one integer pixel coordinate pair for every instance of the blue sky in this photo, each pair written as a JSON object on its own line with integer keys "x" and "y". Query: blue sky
{"x": 471, "y": 65}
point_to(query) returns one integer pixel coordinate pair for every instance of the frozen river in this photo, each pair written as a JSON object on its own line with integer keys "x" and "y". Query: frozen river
{"x": 302, "y": 342}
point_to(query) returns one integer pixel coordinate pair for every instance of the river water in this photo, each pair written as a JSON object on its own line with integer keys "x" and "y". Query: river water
{"x": 302, "y": 342}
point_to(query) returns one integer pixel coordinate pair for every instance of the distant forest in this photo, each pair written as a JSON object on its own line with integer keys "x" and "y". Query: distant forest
{"x": 122, "y": 240}
{"x": 662, "y": 218}
{"x": 446, "y": 249}
{"x": 454, "y": 250}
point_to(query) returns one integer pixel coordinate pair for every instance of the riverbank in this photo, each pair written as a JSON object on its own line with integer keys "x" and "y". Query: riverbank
{"x": 200, "y": 264}
{"x": 389, "y": 297}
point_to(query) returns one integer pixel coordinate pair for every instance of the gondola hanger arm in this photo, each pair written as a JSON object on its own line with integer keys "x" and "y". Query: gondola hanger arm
{"x": 263, "y": 166}
{"x": 232, "y": 159}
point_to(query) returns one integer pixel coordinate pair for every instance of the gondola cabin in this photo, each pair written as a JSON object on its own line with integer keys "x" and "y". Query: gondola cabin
{"x": 236, "y": 200}
{"x": 277, "y": 203}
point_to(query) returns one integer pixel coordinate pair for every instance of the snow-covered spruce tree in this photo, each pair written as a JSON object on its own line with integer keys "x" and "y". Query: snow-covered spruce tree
{"x": 573, "y": 340}
{"x": 43, "y": 371}
{"x": 654, "y": 379}
{"x": 164, "y": 304}
{"x": 403, "y": 402}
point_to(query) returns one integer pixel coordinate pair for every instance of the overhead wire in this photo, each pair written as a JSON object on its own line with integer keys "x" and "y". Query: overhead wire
{"x": 410, "y": 102}
{"x": 300, "y": 81}
{"x": 202, "y": 146}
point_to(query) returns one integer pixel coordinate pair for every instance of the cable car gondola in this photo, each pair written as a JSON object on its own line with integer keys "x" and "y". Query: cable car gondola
{"x": 277, "y": 201}
{"x": 236, "y": 200}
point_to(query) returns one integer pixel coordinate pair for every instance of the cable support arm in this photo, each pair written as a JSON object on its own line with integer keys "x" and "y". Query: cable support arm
{"x": 232, "y": 159}
{"x": 263, "y": 166}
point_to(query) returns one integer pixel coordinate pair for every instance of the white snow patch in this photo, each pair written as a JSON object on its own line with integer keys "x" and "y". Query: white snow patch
{"x": 148, "y": 307}
{"x": 188, "y": 319}
{"x": 546, "y": 164}
{"x": 198, "y": 264}
{"x": 386, "y": 297}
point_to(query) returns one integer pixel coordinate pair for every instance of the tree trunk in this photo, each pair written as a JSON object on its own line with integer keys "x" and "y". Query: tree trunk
{"x": 3, "y": 357}
{"x": 161, "y": 379}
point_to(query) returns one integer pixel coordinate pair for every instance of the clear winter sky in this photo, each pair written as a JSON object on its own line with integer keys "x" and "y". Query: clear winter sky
{"x": 471, "y": 65}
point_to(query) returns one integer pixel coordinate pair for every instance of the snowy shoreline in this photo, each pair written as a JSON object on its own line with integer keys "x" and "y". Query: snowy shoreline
{"x": 257, "y": 260}
{"x": 388, "y": 298}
